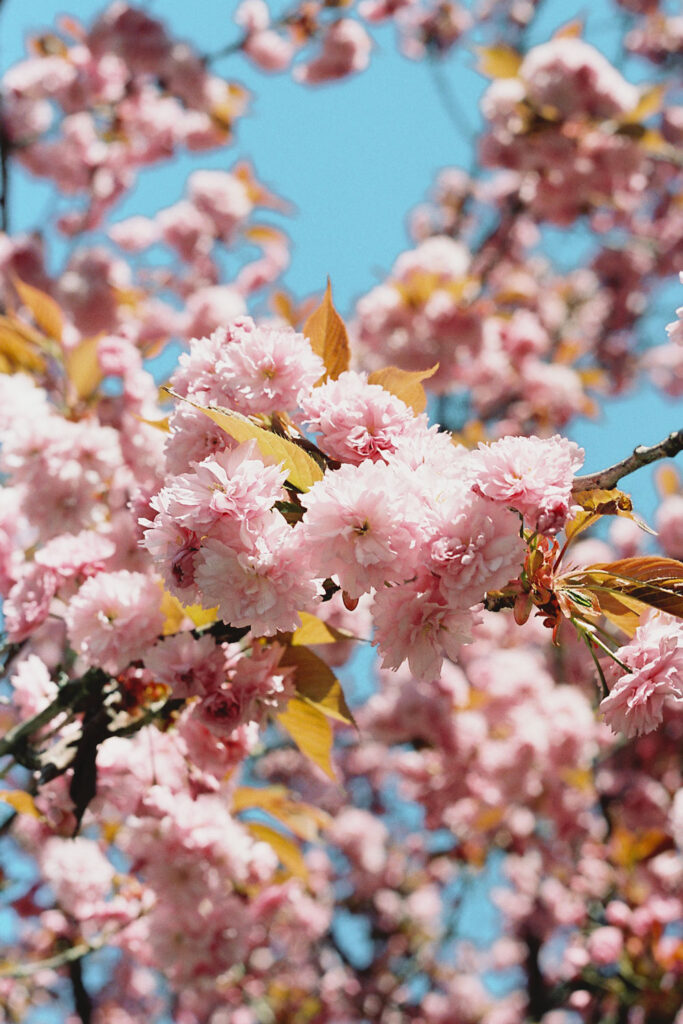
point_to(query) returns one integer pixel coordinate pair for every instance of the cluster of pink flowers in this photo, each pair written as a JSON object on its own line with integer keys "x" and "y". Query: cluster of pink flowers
{"x": 545, "y": 124}
{"x": 175, "y": 599}
{"x": 427, "y": 526}
{"x": 154, "y": 96}
{"x": 654, "y": 676}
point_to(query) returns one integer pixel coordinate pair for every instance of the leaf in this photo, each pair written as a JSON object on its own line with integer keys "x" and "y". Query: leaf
{"x": 83, "y": 367}
{"x": 570, "y": 30}
{"x": 607, "y": 503}
{"x": 199, "y": 616}
{"x": 652, "y": 580}
{"x": 287, "y": 850}
{"x": 314, "y": 631}
{"x": 23, "y": 803}
{"x": 17, "y": 350}
{"x": 579, "y": 522}
{"x": 404, "y": 384}
{"x": 622, "y": 610}
{"x": 629, "y": 848}
{"x": 317, "y": 683}
{"x": 173, "y": 613}
{"x": 498, "y": 61}
{"x": 311, "y": 731}
{"x": 302, "y": 470}
{"x": 649, "y": 103}
{"x": 43, "y": 308}
{"x": 667, "y": 480}
{"x": 326, "y": 332}
{"x": 162, "y": 425}
{"x": 305, "y": 820}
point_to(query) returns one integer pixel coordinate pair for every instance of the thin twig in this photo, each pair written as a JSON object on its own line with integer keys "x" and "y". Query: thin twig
{"x": 642, "y": 456}
{"x": 450, "y": 104}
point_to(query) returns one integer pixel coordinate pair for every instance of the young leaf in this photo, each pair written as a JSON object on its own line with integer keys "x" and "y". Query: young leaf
{"x": 83, "y": 367}
{"x": 654, "y": 581}
{"x": 311, "y": 731}
{"x": 22, "y": 802}
{"x": 570, "y": 30}
{"x": 326, "y": 332}
{"x": 304, "y": 820}
{"x": 287, "y": 850}
{"x": 42, "y": 307}
{"x": 607, "y": 503}
{"x": 498, "y": 61}
{"x": 17, "y": 351}
{"x": 314, "y": 631}
{"x": 302, "y": 470}
{"x": 404, "y": 385}
{"x": 317, "y": 683}
{"x": 622, "y": 610}
{"x": 157, "y": 424}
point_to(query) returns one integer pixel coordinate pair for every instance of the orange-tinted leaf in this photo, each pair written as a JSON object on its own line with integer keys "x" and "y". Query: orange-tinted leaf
{"x": 649, "y": 103}
{"x": 655, "y": 581}
{"x": 314, "y": 631}
{"x": 22, "y": 802}
{"x": 326, "y": 332}
{"x": 571, "y": 30}
{"x": 622, "y": 610}
{"x": 287, "y": 850}
{"x": 579, "y": 522}
{"x": 162, "y": 425}
{"x": 17, "y": 351}
{"x": 43, "y": 309}
{"x": 668, "y": 480}
{"x": 83, "y": 368}
{"x": 316, "y": 683}
{"x": 304, "y": 820}
{"x": 498, "y": 61}
{"x": 302, "y": 470}
{"x": 404, "y": 385}
{"x": 311, "y": 731}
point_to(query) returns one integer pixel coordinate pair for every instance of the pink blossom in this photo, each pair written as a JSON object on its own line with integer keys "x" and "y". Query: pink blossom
{"x": 222, "y": 197}
{"x": 189, "y": 665}
{"x": 113, "y": 618}
{"x": 346, "y": 49}
{"x": 231, "y": 488}
{"x": 654, "y": 656}
{"x": 263, "y": 369}
{"x": 79, "y": 873}
{"x": 356, "y": 527}
{"x": 209, "y": 308}
{"x": 357, "y": 420}
{"x": 475, "y": 546}
{"x": 134, "y": 234}
{"x": 32, "y": 685}
{"x": 255, "y": 685}
{"x": 174, "y": 550}
{"x": 532, "y": 475}
{"x": 69, "y": 555}
{"x": 413, "y": 622}
{"x": 605, "y": 945}
{"x": 29, "y": 602}
{"x": 575, "y": 78}
{"x": 669, "y": 523}
{"x": 263, "y": 585}
{"x": 193, "y": 436}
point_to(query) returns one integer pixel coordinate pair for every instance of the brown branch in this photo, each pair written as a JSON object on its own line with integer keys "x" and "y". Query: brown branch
{"x": 642, "y": 456}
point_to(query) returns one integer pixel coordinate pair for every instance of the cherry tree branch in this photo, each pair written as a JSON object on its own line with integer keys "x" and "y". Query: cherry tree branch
{"x": 605, "y": 479}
